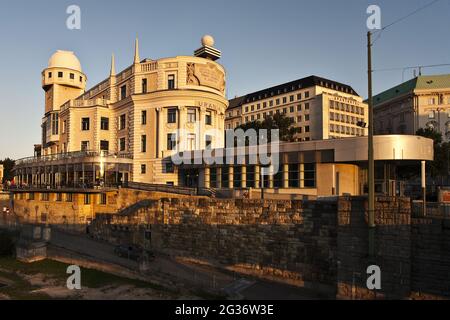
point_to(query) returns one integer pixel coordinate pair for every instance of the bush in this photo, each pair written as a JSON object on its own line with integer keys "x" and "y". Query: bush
{"x": 7, "y": 241}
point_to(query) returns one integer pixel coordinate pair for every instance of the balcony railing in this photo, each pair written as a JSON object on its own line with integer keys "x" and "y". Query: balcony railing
{"x": 73, "y": 155}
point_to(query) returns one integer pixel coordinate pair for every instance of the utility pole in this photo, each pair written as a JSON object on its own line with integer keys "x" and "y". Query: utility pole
{"x": 371, "y": 162}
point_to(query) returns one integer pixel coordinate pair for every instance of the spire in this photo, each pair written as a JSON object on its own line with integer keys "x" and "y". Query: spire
{"x": 136, "y": 51}
{"x": 113, "y": 66}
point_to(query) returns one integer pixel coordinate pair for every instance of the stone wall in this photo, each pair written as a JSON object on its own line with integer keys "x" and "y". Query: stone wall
{"x": 289, "y": 241}
{"x": 317, "y": 244}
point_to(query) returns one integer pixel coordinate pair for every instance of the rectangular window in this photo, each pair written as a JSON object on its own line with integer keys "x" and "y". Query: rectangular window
{"x": 299, "y": 96}
{"x": 103, "y": 198}
{"x": 122, "y": 144}
{"x": 278, "y": 102}
{"x": 171, "y": 141}
{"x": 143, "y": 143}
{"x": 123, "y": 92}
{"x": 45, "y": 196}
{"x": 291, "y": 109}
{"x": 59, "y": 197}
{"x": 306, "y": 94}
{"x": 307, "y": 129}
{"x": 284, "y": 100}
{"x": 69, "y": 197}
{"x": 122, "y": 121}
{"x": 144, "y": 117}
{"x": 104, "y": 145}
{"x": 60, "y": 74}
{"x": 49, "y": 74}
{"x": 104, "y": 123}
{"x": 172, "y": 115}
{"x": 191, "y": 141}
{"x": 84, "y": 145}
{"x": 143, "y": 169}
{"x": 208, "y": 141}
{"x": 191, "y": 115}
{"x": 72, "y": 76}
{"x": 306, "y": 106}
{"x": 85, "y": 124}
{"x": 55, "y": 123}
{"x": 271, "y": 103}
{"x": 169, "y": 167}
{"x": 87, "y": 198}
{"x": 144, "y": 85}
{"x": 208, "y": 118}
{"x": 171, "y": 81}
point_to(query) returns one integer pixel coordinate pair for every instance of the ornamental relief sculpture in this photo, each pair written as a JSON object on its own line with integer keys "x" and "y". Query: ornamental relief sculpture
{"x": 208, "y": 75}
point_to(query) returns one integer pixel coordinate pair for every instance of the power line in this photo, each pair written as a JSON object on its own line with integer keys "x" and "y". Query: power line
{"x": 403, "y": 18}
{"x": 412, "y": 67}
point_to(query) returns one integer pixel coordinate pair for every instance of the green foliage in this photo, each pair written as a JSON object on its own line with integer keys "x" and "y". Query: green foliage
{"x": 8, "y": 165}
{"x": 440, "y": 165}
{"x": 279, "y": 121}
{"x": 6, "y": 244}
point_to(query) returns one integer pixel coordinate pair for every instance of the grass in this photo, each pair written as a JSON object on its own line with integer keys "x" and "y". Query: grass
{"x": 89, "y": 277}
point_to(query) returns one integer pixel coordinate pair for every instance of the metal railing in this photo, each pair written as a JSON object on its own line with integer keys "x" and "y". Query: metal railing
{"x": 73, "y": 155}
{"x": 162, "y": 188}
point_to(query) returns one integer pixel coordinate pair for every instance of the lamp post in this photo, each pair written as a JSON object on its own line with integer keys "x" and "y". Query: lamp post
{"x": 371, "y": 162}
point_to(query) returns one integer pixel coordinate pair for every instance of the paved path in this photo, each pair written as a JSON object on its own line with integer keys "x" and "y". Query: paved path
{"x": 183, "y": 272}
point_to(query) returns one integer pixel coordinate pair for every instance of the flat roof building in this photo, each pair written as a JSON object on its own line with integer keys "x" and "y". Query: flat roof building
{"x": 320, "y": 108}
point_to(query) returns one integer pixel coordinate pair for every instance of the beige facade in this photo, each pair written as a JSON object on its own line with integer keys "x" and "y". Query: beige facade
{"x": 418, "y": 103}
{"x": 1, "y": 173}
{"x": 320, "y": 108}
{"x": 140, "y": 115}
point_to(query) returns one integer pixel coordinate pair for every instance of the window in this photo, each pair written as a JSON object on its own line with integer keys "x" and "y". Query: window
{"x": 87, "y": 198}
{"x": 284, "y": 100}
{"x": 172, "y": 115}
{"x": 103, "y": 198}
{"x": 291, "y": 98}
{"x": 104, "y": 145}
{"x": 291, "y": 109}
{"x": 84, "y": 145}
{"x": 299, "y": 96}
{"x": 55, "y": 123}
{"x": 191, "y": 141}
{"x": 122, "y": 144}
{"x": 278, "y": 101}
{"x": 144, "y": 117}
{"x": 306, "y": 117}
{"x": 208, "y": 118}
{"x": 299, "y": 107}
{"x": 208, "y": 141}
{"x": 81, "y": 79}
{"x": 72, "y": 76}
{"x": 31, "y": 196}
{"x": 144, "y": 85}
{"x": 432, "y": 101}
{"x": 123, "y": 92}
{"x": 49, "y": 74}
{"x": 60, "y": 74}
{"x": 143, "y": 169}
{"x": 306, "y": 106}
{"x": 191, "y": 115}
{"x": 169, "y": 167}
{"x": 431, "y": 114}
{"x": 69, "y": 197}
{"x": 59, "y": 197}
{"x": 284, "y": 110}
{"x": 299, "y": 118}
{"x": 143, "y": 143}
{"x": 306, "y": 94}
{"x": 307, "y": 129}
{"x": 171, "y": 141}
{"x": 171, "y": 81}
{"x": 122, "y": 121}
{"x": 85, "y": 124}
{"x": 104, "y": 123}
{"x": 45, "y": 196}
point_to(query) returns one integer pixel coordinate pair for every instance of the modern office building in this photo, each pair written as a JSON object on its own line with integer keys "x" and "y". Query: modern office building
{"x": 122, "y": 128}
{"x": 418, "y": 103}
{"x": 321, "y": 108}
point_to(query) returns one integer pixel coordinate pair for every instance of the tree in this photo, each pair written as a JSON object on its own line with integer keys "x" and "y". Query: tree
{"x": 8, "y": 165}
{"x": 279, "y": 121}
{"x": 440, "y": 165}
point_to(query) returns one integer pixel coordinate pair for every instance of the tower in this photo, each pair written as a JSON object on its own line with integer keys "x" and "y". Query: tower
{"x": 62, "y": 80}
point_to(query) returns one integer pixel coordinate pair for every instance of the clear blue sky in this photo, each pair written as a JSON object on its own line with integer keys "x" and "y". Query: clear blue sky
{"x": 263, "y": 43}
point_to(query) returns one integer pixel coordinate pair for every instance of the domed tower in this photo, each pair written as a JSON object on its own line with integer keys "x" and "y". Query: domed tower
{"x": 62, "y": 80}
